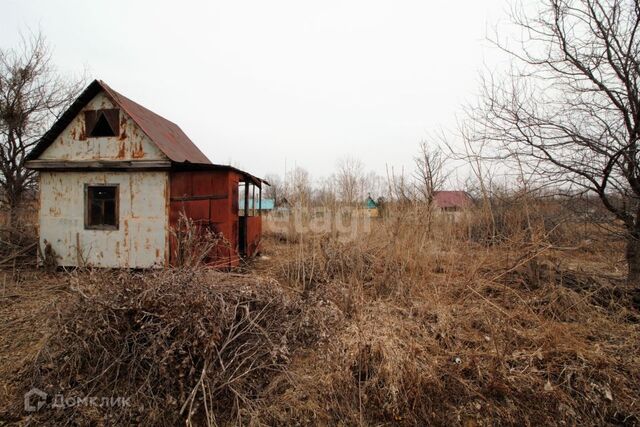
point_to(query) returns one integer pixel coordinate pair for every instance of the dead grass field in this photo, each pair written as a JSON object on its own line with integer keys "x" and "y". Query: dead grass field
{"x": 402, "y": 326}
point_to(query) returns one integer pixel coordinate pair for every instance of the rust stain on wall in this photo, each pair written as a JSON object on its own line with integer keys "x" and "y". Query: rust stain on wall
{"x": 121, "y": 150}
{"x": 138, "y": 151}
{"x": 62, "y": 219}
{"x": 130, "y": 144}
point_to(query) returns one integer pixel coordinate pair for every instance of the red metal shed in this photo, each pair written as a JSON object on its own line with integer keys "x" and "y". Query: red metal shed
{"x": 208, "y": 195}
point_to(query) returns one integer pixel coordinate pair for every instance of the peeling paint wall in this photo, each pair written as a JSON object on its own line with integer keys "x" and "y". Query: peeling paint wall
{"x": 74, "y": 145}
{"x": 141, "y": 240}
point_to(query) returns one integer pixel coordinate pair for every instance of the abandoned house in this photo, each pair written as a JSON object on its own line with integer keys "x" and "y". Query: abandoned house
{"x": 115, "y": 179}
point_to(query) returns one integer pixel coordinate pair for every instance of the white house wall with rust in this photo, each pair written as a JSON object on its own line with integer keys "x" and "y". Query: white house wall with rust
{"x": 73, "y": 145}
{"x": 141, "y": 240}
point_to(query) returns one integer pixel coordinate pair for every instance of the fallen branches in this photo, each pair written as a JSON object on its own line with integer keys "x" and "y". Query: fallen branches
{"x": 190, "y": 346}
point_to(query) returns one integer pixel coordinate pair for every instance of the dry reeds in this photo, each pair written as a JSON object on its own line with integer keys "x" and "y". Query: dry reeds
{"x": 443, "y": 329}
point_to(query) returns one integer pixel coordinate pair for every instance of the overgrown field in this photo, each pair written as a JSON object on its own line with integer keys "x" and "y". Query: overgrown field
{"x": 513, "y": 320}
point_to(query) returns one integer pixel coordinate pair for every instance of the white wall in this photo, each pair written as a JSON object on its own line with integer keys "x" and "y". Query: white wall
{"x": 141, "y": 240}
{"x": 131, "y": 144}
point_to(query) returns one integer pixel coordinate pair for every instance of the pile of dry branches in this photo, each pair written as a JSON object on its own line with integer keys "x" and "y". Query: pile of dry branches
{"x": 178, "y": 345}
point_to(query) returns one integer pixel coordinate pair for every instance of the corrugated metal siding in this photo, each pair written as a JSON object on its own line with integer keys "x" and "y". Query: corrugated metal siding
{"x": 131, "y": 144}
{"x": 142, "y": 237}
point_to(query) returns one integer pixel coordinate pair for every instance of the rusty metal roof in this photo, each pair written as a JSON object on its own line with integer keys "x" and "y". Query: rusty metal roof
{"x": 452, "y": 199}
{"x": 168, "y": 136}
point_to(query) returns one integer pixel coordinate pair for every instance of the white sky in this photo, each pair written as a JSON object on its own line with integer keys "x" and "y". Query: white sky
{"x": 257, "y": 82}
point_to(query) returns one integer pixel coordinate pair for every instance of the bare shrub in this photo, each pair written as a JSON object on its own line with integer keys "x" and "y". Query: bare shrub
{"x": 195, "y": 244}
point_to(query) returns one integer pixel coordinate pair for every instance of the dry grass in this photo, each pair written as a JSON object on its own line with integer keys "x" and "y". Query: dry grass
{"x": 441, "y": 330}
{"x": 29, "y": 303}
{"x": 411, "y": 324}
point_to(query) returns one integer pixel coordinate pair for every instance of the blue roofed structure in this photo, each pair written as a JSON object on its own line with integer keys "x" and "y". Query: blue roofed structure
{"x": 371, "y": 204}
{"x": 263, "y": 205}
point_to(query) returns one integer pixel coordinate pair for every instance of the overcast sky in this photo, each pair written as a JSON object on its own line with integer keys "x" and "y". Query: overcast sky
{"x": 259, "y": 82}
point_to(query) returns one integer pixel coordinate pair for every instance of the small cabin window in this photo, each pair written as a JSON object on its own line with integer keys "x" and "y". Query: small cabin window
{"x": 102, "y": 122}
{"x": 101, "y": 209}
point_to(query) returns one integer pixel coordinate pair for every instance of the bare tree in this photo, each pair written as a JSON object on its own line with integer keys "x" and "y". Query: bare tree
{"x": 32, "y": 95}
{"x": 299, "y": 186}
{"x": 350, "y": 179}
{"x": 275, "y": 189}
{"x": 429, "y": 174}
{"x": 325, "y": 193}
{"x": 399, "y": 188}
{"x": 571, "y": 106}
{"x": 374, "y": 187}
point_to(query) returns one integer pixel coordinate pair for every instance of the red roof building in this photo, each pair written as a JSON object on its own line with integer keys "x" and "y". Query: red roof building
{"x": 452, "y": 200}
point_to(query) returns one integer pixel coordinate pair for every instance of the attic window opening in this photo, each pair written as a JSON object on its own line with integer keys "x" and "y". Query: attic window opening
{"x": 100, "y": 123}
{"x": 101, "y": 207}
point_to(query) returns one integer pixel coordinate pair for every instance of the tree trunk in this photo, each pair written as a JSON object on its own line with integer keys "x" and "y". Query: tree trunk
{"x": 633, "y": 258}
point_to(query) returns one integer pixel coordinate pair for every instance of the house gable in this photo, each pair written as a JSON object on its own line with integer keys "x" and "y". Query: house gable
{"x": 167, "y": 137}
{"x": 75, "y": 143}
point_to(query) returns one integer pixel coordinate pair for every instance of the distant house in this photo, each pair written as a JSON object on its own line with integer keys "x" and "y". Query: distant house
{"x": 452, "y": 204}
{"x": 115, "y": 179}
{"x": 373, "y": 207}
{"x": 371, "y": 204}
{"x": 452, "y": 201}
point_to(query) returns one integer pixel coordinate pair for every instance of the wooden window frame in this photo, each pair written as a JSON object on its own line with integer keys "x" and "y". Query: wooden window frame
{"x": 111, "y": 114}
{"x": 87, "y": 208}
